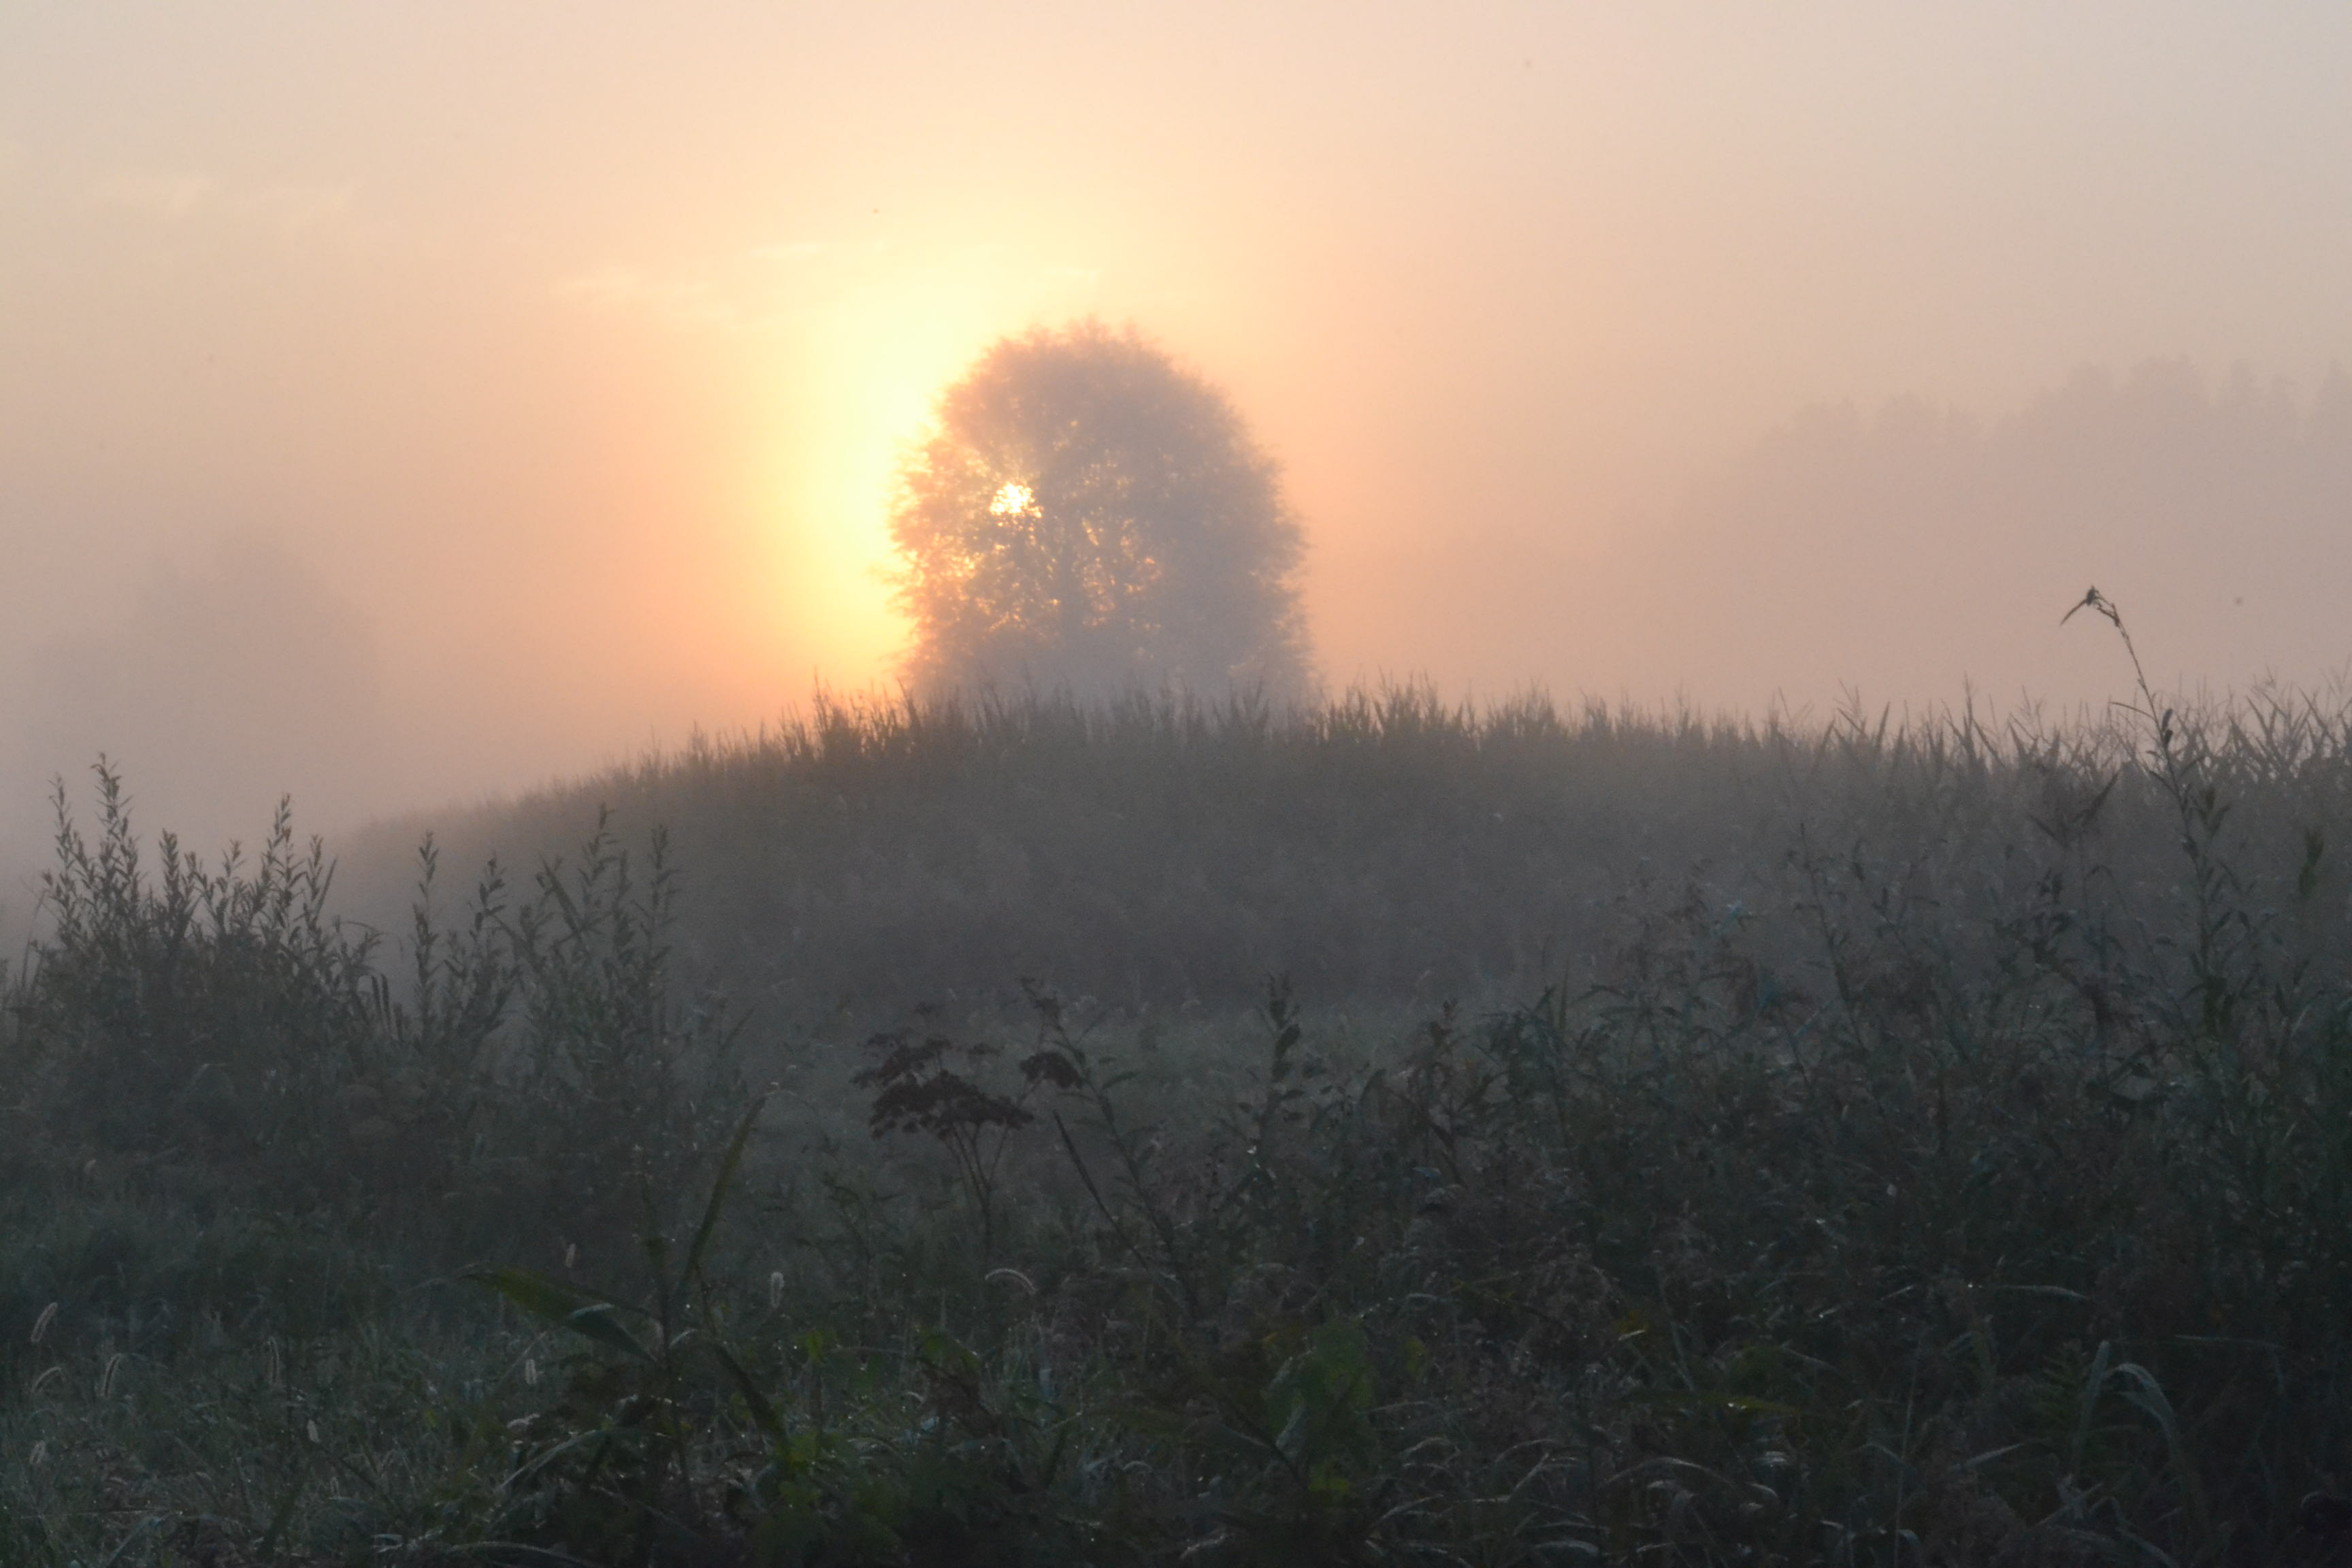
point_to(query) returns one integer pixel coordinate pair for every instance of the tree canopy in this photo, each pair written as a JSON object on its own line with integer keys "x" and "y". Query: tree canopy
{"x": 1087, "y": 516}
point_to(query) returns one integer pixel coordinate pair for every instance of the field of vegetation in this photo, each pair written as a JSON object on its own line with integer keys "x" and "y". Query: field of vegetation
{"x": 1390, "y": 1134}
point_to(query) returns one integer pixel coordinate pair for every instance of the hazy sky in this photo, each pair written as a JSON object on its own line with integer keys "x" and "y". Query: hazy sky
{"x": 405, "y": 401}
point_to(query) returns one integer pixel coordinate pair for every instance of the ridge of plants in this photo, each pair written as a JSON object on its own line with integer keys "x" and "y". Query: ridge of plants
{"x": 1947, "y": 1161}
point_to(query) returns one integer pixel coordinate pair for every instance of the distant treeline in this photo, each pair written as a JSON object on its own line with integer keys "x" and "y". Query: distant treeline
{"x": 1912, "y": 545}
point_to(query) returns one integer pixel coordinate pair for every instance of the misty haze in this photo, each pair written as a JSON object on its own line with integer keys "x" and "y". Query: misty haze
{"x": 1241, "y": 785}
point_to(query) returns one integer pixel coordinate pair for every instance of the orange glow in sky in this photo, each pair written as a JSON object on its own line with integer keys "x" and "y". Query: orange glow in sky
{"x": 549, "y": 364}
{"x": 857, "y": 381}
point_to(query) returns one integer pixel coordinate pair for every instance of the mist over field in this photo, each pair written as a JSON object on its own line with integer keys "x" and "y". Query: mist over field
{"x": 402, "y": 405}
{"x": 1251, "y": 785}
{"x": 1906, "y": 555}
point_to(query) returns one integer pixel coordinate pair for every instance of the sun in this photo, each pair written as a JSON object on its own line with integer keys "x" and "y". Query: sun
{"x": 856, "y": 376}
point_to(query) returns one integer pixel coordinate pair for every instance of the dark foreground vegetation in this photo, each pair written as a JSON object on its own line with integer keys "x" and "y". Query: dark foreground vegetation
{"x": 1947, "y": 1160}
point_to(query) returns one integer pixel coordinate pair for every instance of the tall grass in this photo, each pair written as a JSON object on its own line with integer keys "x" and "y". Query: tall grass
{"x": 1918, "y": 1142}
{"x": 1390, "y": 849}
{"x": 203, "y": 1025}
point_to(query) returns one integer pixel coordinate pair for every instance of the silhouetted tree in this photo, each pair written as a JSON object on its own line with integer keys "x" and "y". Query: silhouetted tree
{"x": 1087, "y": 517}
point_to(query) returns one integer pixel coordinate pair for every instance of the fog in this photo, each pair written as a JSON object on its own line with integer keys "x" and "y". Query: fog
{"x": 403, "y": 404}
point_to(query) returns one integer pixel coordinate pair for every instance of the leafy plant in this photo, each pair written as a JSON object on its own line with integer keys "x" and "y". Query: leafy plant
{"x": 918, "y": 1089}
{"x": 623, "y": 1466}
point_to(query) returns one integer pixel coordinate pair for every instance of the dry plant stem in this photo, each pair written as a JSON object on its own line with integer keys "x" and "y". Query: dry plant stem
{"x": 2201, "y": 812}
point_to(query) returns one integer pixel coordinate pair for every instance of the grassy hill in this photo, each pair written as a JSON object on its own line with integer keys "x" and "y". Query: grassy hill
{"x": 1387, "y": 851}
{"x": 1857, "y": 1142}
